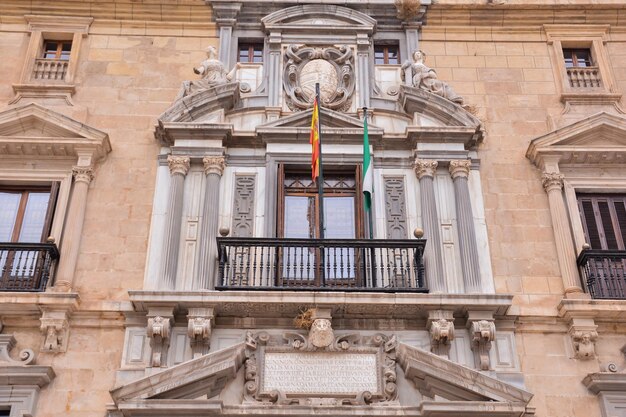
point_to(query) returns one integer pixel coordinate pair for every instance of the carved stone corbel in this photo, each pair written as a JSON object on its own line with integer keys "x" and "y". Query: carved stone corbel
{"x": 199, "y": 329}
{"x": 55, "y": 328}
{"x": 441, "y": 328}
{"x": 584, "y": 335}
{"x": 483, "y": 332}
{"x": 159, "y": 331}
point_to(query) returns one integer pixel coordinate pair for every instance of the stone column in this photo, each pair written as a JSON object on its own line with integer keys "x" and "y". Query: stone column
{"x": 459, "y": 170}
{"x": 553, "y": 184}
{"x": 425, "y": 171}
{"x": 272, "y": 69}
{"x": 179, "y": 166}
{"x": 207, "y": 246}
{"x": 363, "y": 63}
{"x": 83, "y": 175}
{"x": 226, "y": 17}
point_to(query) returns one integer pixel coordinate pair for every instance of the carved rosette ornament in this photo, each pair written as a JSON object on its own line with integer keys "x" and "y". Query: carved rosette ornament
{"x": 178, "y": 164}
{"x": 214, "y": 165}
{"x": 460, "y": 168}
{"x": 425, "y": 168}
{"x": 441, "y": 336}
{"x": 159, "y": 329}
{"x": 552, "y": 181}
{"x": 293, "y": 370}
{"x": 83, "y": 174}
{"x": 483, "y": 332}
{"x": 332, "y": 67}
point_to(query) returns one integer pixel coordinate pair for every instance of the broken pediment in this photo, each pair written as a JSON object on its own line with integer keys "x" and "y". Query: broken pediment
{"x": 597, "y": 139}
{"x": 314, "y": 16}
{"x": 33, "y": 130}
{"x": 335, "y": 126}
{"x": 298, "y": 374}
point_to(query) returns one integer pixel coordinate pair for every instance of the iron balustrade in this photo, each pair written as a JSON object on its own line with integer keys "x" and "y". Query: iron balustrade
{"x": 321, "y": 264}
{"x": 604, "y": 272}
{"x": 27, "y": 266}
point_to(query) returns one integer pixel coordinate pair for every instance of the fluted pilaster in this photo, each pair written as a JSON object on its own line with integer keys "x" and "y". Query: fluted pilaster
{"x": 459, "y": 170}
{"x": 179, "y": 167}
{"x": 425, "y": 171}
{"x": 74, "y": 228}
{"x": 207, "y": 246}
{"x": 553, "y": 184}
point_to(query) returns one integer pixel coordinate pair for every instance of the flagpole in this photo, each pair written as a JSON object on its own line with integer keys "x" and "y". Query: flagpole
{"x": 370, "y": 221}
{"x": 320, "y": 186}
{"x": 320, "y": 178}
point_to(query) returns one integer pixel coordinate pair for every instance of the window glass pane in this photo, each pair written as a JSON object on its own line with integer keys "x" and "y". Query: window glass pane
{"x": 50, "y": 50}
{"x": 393, "y": 55}
{"x": 583, "y": 58}
{"x": 298, "y": 217}
{"x": 9, "y": 206}
{"x": 34, "y": 217}
{"x": 339, "y": 222}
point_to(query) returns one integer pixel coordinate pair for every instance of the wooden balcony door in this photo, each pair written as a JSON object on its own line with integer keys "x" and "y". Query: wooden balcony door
{"x": 299, "y": 211}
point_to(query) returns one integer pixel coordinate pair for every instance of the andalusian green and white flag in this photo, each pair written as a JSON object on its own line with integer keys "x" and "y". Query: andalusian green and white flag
{"x": 368, "y": 171}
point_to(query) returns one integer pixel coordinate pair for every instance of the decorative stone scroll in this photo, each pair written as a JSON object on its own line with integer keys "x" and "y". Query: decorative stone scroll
{"x": 351, "y": 370}
{"x": 483, "y": 332}
{"x": 332, "y": 67}
{"x": 159, "y": 329}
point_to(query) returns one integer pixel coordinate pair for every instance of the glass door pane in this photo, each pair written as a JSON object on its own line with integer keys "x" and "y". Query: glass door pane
{"x": 299, "y": 223}
{"x": 339, "y": 224}
{"x": 9, "y": 206}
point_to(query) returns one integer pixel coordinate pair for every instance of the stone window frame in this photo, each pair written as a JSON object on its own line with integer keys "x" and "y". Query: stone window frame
{"x": 49, "y": 28}
{"x": 594, "y": 38}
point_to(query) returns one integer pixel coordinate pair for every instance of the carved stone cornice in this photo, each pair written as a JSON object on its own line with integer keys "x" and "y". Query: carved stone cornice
{"x": 214, "y": 165}
{"x": 425, "y": 168}
{"x": 460, "y": 168}
{"x": 178, "y": 164}
{"x": 552, "y": 181}
{"x": 83, "y": 174}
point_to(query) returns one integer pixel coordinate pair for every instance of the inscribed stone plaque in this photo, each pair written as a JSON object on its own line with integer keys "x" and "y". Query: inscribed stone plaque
{"x": 320, "y": 373}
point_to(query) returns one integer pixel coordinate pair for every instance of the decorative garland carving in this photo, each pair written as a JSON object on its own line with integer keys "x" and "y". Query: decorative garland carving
{"x": 335, "y": 65}
{"x": 381, "y": 346}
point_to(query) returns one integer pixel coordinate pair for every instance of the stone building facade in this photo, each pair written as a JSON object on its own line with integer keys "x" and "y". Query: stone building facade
{"x": 160, "y": 250}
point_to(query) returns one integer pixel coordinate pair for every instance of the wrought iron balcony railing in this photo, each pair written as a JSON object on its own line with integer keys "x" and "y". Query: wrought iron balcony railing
{"x": 27, "y": 266}
{"x": 604, "y": 272}
{"x": 321, "y": 264}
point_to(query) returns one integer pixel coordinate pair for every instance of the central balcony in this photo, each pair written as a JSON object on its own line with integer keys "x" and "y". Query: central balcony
{"x": 321, "y": 264}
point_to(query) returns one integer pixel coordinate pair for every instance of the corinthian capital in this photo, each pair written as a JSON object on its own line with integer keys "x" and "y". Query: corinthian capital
{"x": 178, "y": 164}
{"x": 82, "y": 174}
{"x": 460, "y": 168}
{"x": 214, "y": 165}
{"x": 425, "y": 168}
{"x": 552, "y": 181}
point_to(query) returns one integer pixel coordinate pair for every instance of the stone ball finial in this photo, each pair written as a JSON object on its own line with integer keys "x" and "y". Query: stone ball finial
{"x": 418, "y": 233}
{"x": 50, "y": 239}
{"x": 586, "y": 246}
{"x": 224, "y": 231}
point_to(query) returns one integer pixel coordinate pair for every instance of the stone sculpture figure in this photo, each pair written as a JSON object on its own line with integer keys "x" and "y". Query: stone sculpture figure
{"x": 426, "y": 78}
{"x": 213, "y": 73}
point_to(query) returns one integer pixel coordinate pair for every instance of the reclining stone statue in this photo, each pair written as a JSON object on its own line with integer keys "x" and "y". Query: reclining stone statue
{"x": 213, "y": 73}
{"x": 426, "y": 78}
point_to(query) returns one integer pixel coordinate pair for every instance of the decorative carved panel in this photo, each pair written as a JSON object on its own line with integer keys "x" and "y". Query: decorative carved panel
{"x": 332, "y": 67}
{"x": 290, "y": 369}
{"x": 243, "y": 206}
{"x": 395, "y": 208}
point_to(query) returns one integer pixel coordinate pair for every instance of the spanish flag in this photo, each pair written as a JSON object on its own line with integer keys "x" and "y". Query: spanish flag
{"x": 315, "y": 141}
